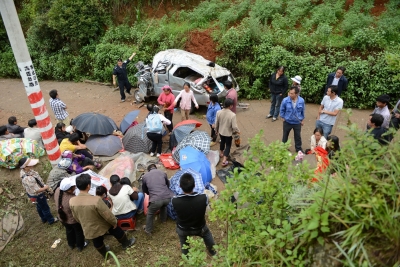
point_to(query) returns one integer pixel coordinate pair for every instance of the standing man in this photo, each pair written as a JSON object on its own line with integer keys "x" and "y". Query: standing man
{"x": 292, "y": 112}
{"x": 382, "y": 108}
{"x": 95, "y": 217}
{"x": 190, "y": 208}
{"x": 58, "y": 107}
{"x": 121, "y": 73}
{"x": 337, "y": 79}
{"x": 156, "y": 185}
{"x": 232, "y": 94}
{"x": 330, "y": 106}
{"x": 35, "y": 188}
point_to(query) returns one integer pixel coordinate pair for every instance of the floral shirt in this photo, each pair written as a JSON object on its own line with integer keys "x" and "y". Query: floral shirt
{"x": 29, "y": 182}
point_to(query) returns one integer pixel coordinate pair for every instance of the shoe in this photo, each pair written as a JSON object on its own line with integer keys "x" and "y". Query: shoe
{"x": 72, "y": 247}
{"x": 129, "y": 93}
{"x": 126, "y": 243}
{"x": 213, "y": 143}
{"x": 144, "y": 229}
{"x": 55, "y": 220}
{"x": 158, "y": 155}
{"x": 84, "y": 246}
{"x": 122, "y": 100}
{"x": 139, "y": 212}
{"x": 103, "y": 250}
{"x": 97, "y": 165}
{"x": 269, "y": 116}
{"x": 224, "y": 164}
{"x": 151, "y": 154}
{"x": 274, "y": 119}
{"x": 212, "y": 252}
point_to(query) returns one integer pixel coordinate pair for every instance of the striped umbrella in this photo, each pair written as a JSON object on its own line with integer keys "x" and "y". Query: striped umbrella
{"x": 135, "y": 139}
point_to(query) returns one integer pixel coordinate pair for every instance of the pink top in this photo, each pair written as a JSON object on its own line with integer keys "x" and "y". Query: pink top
{"x": 187, "y": 98}
{"x": 166, "y": 99}
{"x": 232, "y": 94}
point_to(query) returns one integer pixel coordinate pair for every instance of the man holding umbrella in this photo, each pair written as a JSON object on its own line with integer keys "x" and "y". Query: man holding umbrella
{"x": 121, "y": 73}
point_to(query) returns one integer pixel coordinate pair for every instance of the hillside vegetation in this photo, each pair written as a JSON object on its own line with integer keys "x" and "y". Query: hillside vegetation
{"x": 81, "y": 39}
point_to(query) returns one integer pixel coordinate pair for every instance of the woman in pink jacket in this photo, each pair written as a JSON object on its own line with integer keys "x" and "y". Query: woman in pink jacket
{"x": 186, "y": 101}
{"x": 166, "y": 99}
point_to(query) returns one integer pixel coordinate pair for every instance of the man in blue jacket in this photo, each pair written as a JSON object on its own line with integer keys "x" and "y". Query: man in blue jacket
{"x": 338, "y": 79}
{"x": 292, "y": 113}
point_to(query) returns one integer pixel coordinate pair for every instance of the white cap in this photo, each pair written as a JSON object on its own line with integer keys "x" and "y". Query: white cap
{"x": 67, "y": 183}
{"x": 69, "y": 129}
{"x": 297, "y": 79}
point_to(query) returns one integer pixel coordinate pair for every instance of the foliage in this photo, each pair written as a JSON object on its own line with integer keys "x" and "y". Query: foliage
{"x": 197, "y": 255}
{"x": 74, "y": 40}
{"x": 279, "y": 214}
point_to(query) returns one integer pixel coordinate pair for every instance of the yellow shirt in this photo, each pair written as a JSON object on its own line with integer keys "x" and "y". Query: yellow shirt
{"x": 67, "y": 145}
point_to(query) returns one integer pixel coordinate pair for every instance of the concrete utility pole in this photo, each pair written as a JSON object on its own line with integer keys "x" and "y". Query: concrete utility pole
{"x": 29, "y": 79}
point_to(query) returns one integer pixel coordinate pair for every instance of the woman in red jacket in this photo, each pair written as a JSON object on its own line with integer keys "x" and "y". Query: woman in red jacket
{"x": 166, "y": 99}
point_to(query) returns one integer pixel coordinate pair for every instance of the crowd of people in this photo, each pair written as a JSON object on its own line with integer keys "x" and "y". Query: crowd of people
{"x": 90, "y": 217}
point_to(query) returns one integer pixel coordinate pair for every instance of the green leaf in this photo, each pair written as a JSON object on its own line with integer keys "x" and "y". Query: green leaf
{"x": 313, "y": 225}
{"x": 289, "y": 252}
{"x": 321, "y": 240}
{"x": 325, "y": 229}
{"x": 314, "y": 234}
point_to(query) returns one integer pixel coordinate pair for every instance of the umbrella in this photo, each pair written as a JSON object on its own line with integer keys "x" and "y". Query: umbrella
{"x": 94, "y": 123}
{"x": 199, "y": 140}
{"x": 128, "y": 119}
{"x": 175, "y": 181}
{"x": 12, "y": 150}
{"x": 135, "y": 139}
{"x": 104, "y": 145}
{"x": 183, "y": 129}
{"x": 197, "y": 161}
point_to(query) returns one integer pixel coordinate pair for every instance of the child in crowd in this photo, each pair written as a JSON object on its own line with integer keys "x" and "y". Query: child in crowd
{"x": 186, "y": 101}
{"x": 125, "y": 180}
{"x": 101, "y": 191}
{"x": 212, "y": 110}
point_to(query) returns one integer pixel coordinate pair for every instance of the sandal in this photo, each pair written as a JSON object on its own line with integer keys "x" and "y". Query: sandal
{"x": 221, "y": 155}
{"x": 225, "y": 163}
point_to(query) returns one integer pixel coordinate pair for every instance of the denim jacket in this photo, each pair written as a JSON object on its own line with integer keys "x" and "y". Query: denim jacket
{"x": 292, "y": 116}
{"x": 212, "y": 112}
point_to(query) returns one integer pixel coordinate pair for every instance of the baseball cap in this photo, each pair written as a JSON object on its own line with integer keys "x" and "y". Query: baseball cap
{"x": 67, "y": 183}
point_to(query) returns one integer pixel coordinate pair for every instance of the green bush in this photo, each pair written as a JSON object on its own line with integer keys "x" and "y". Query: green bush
{"x": 279, "y": 216}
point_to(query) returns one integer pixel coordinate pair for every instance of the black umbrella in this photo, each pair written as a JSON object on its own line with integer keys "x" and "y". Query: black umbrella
{"x": 94, "y": 123}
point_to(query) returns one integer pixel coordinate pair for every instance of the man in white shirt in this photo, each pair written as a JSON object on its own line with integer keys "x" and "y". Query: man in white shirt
{"x": 33, "y": 132}
{"x": 330, "y": 106}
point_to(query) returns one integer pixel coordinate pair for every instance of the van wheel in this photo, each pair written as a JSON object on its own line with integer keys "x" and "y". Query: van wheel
{"x": 138, "y": 99}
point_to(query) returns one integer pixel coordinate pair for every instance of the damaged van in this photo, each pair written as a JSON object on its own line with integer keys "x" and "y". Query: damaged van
{"x": 174, "y": 67}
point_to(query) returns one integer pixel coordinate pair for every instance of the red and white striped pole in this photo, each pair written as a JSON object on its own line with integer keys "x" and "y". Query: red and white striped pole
{"x": 29, "y": 79}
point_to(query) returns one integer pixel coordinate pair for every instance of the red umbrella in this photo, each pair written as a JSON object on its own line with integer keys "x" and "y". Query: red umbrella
{"x": 197, "y": 123}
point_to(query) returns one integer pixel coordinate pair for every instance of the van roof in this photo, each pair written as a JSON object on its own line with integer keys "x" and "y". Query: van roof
{"x": 187, "y": 59}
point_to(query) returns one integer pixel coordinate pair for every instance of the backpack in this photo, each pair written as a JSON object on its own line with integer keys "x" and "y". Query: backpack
{"x": 153, "y": 123}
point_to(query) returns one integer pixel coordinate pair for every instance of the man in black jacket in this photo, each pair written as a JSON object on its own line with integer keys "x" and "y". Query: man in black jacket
{"x": 337, "y": 78}
{"x": 120, "y": 73}
{"x": 190, "y": 208}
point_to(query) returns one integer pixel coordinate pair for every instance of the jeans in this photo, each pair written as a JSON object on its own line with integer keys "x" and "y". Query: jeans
{"x": 213, "y": 134}
{"x": 205, "y": 233}
{"x": 75, "y": 235}
{"x": 168, "y": 115}
{"x": 121, "y": 85}
{"x": 325, "y": 127}
{"x": 276, "y": 100}
{"x": 84, "y": 152}
{"x": 43, "y": 208}
{"x": 297, "y": 134}
{"x": 139, "y": 206}
{"x": 225, "y": 145}
{"x": 118, "y": 233}
{"x": 156, "y": 142}
{"x": 154, "y": 206}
